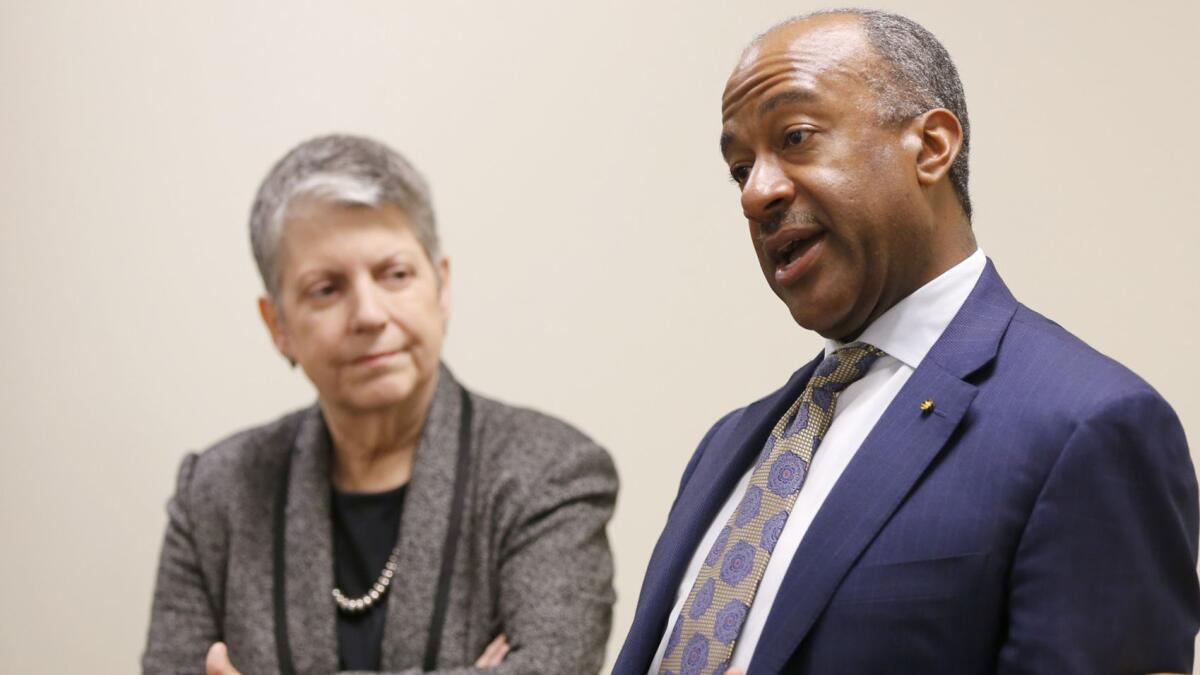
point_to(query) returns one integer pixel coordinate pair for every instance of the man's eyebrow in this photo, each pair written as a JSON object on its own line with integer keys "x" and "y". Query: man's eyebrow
{"x": 726, "y": 141}
{"x": 782, "y": 98}
{"x": 786, "y": 97}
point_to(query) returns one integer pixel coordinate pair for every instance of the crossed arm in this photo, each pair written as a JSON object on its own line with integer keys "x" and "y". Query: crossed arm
{"x": 217, "y": 662}
{"x": 554, "y": 581}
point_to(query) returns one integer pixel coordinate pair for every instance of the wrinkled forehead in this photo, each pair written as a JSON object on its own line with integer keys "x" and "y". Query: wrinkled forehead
{"x": 810, "y": 55}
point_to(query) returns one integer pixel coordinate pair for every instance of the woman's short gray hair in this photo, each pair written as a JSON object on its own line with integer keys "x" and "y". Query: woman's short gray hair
{"x": 342, "y": 169}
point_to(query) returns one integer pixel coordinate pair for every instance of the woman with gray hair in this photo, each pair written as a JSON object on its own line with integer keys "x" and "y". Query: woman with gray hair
{"x": 401, "y": 523}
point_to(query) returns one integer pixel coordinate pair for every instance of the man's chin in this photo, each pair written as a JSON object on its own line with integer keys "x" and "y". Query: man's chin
{"x": 828, "y": 323}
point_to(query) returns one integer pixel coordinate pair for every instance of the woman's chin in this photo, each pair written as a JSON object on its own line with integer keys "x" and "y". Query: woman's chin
{"x": 380, "y": 395}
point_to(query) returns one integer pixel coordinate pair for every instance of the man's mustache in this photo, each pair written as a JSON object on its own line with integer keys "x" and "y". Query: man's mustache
{"x": 792, "y": 217}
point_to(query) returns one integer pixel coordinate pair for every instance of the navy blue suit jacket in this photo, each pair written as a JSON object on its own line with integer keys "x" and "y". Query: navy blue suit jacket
{"x": 1042, "y": 518}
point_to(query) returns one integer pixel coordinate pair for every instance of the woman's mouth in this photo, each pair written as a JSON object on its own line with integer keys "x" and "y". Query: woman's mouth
{"x": 375, "y": 357}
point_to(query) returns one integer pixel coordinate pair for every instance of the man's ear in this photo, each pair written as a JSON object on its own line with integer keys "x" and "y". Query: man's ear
{"x": 941, "y": 138}
{"x": 274, "y": 323}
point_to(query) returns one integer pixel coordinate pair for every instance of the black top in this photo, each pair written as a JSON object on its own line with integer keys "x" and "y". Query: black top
{"x": 365, "y": 529}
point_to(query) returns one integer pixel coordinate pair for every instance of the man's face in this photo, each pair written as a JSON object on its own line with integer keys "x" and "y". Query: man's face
{"x": 830, "y": 192}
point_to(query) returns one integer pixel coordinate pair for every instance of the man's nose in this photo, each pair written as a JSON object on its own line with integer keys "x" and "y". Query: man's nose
{"x": 767, "y": 193}
{"x": 369, "y": 312}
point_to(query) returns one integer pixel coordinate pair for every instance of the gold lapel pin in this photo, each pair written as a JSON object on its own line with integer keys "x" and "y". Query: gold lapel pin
{"x": 927, "y": 405}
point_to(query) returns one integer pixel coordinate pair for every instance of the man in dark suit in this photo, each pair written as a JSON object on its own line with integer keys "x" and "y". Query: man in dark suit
{"x": 957, "y": 485}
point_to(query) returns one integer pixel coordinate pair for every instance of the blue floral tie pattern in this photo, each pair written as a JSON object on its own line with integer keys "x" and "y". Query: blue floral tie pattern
{"x": 707, "y": 629}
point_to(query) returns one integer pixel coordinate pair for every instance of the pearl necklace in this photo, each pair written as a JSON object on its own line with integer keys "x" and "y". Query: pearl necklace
{"x": 378, "y": 589}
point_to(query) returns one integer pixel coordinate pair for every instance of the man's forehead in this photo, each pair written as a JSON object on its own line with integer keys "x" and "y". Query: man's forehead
{"x": 836, "y": 34}
{"x": 800, "y": 53}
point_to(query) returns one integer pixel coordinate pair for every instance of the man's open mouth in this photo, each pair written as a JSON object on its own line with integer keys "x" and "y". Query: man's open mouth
{"x": 796, "y": 248}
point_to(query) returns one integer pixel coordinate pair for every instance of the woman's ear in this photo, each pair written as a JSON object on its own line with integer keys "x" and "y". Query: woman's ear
{"x": 274, "y": 323}
{"x": 941, "y": 140}
{"x": 443, "y": 270}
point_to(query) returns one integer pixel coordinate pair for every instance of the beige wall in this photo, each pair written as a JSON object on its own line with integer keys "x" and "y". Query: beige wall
{"x": 602, "y": 270}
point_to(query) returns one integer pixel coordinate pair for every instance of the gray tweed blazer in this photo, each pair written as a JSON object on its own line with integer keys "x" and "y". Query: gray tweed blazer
{"x": 533, "y": 561}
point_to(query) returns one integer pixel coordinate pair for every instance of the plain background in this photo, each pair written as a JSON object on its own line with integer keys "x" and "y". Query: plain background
{"x": 601, "y": 266}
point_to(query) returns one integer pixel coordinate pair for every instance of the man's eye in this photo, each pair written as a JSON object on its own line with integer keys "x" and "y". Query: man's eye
{"x": 739, "y": 173}
{"x": 795, "y": 137}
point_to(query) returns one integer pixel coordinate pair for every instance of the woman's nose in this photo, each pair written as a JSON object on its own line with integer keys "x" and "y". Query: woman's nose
{"x": 369, "y": 309}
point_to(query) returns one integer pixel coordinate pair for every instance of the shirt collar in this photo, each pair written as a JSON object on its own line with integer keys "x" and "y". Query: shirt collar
{"x": 908, "y": 330}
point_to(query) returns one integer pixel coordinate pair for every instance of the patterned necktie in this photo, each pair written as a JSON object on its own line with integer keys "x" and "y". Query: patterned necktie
{"x": 712, "y": 617}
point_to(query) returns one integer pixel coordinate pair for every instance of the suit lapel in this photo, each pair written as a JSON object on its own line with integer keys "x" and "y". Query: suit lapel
{"x": 890, "y": 461}
{"x": 423, "y": 526}
{"x": 727, "y": 456}
{"x": 311, "y": 613}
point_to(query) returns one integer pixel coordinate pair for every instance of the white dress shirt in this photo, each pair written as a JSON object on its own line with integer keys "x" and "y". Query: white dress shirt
{"x": 906, "y": 332}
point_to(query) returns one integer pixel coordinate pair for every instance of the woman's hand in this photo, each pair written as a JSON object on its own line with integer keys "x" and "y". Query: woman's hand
{"x": 491, "y": 657}
{"x": 218, "y": 662}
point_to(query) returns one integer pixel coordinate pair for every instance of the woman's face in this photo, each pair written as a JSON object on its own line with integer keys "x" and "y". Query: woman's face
{"x": 360, "y": 306}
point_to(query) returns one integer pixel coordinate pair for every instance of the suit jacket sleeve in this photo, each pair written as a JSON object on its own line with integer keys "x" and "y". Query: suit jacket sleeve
{"x": 1104, "y": 577}
{"x": 183, "y": 621}
{"x": 556, "y": 591}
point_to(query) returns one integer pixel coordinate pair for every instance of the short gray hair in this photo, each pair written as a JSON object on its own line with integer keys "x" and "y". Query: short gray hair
{"x": 922, "y": 77}
{"x": 342, "y": 169}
